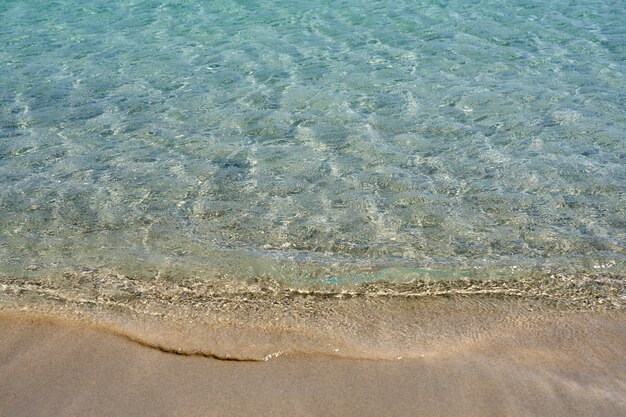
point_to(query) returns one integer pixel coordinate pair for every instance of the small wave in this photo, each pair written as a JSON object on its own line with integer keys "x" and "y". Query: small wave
{"x": 262, "y": 319}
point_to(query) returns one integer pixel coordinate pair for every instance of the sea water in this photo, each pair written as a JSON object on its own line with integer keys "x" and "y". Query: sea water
{"x": 311, "y": 142}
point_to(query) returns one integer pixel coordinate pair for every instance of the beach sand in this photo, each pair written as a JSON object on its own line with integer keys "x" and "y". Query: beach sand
{"x": 572, "y": 366}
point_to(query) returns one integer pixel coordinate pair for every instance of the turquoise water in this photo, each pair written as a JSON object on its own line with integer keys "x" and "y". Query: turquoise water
{"x": 321, "y": 140}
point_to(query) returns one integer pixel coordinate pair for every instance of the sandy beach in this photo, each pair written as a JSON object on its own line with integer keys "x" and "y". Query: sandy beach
{"x": 572, "y": 366}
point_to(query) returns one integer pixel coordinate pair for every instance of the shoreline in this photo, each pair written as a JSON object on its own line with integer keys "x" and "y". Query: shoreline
{"x": 571, "y": 367}
{"x": 107, "y": 345}
{"x": 253, "y": 320}
{"x": 259, "y": 319}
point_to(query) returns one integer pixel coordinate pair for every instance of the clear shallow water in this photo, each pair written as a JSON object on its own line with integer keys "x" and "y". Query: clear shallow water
{"x": 313, "y": 140}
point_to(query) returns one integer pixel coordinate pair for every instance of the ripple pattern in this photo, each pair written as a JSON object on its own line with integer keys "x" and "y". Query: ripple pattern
{"x": 312, "y": 139}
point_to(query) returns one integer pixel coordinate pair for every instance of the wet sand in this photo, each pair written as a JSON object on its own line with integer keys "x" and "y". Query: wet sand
{"x": 571, "y": 366}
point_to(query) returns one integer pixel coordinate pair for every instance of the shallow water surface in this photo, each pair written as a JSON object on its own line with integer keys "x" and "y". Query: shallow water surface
{"x": 340, "y": 141}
